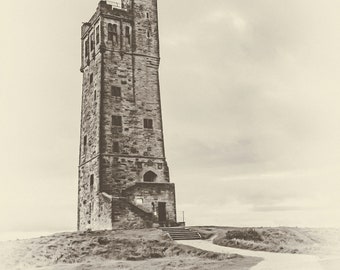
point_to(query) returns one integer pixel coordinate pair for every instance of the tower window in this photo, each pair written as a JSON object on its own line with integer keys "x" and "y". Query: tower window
{"x": 116, "y": 120}
{"x": 148, "y": 33}
{"x": 91, "y": 182}
{"x": 148, "y": 123}
{"x": 85, "y": 141}
{"x": 113, "y": 32}
{"x": 95, "y": 95}
{"x": 116, "y": 91}
{"x": 115, "y": 147}
{"x": 87, "y": 48}
{"x": 97, "y": 35}
{"x": 147, "y": 15}
{"x": 127, "y": 35}
{"x": 91, "y": 78}
{"x": 92, "y": 42}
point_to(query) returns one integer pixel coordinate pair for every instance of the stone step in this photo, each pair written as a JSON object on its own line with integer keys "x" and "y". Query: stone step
{"x": 181, "y": 233}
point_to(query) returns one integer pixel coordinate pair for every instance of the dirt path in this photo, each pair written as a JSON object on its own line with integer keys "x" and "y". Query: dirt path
{"x": 272, "y": 261}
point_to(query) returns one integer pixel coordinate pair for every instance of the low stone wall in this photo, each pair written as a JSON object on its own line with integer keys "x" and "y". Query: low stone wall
{"x": 128, "y": 216}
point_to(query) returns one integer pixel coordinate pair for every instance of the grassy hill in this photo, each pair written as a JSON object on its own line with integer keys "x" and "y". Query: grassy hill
{"x": 133, "y": 249}
{"x": 280, "y": 239}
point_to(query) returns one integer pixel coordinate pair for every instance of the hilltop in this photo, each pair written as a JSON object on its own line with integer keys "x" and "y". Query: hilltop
{"x": 119, "y": 249}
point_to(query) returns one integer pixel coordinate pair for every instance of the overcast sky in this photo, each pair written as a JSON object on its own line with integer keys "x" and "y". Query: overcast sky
{"x": 250, "y": 96}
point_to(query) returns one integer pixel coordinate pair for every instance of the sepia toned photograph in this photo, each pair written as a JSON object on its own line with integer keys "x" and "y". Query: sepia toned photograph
{"x": 158, "y": 134}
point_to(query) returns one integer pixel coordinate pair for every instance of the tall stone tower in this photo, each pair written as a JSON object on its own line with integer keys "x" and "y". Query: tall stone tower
{"x": 123, "y": 174}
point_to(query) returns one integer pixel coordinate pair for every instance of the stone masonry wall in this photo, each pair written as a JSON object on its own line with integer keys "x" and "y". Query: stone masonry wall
{"x": 128, "y": 61}
{"x": 89, "y": 132}
{"x": 147, "y": 196}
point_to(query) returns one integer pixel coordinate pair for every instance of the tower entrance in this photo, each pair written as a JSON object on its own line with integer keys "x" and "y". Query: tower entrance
{"x": 162, "y": 213}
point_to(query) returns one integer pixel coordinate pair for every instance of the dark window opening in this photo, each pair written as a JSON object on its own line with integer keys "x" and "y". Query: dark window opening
{"x": 128, "y": 35}
{"x": 150, "y": 177}
{"x": 91, "y": 182}
{"x": 116, "y": 91}
{"x": 148, "y": 33}
{"x": 116, "y": 120}
{"x": 91, "y": 78}
{"x": 85, "y": 141}
{"x": 115, "y": 147}
{"x": 95, "y": 95}
{"x": 113, "y": 32}
{"x": 92, "y": 42}
{"x": 147, "y": 15}
{"x": 87, "y": 48}
{"x": 148, "y": 123}
{"x": 110, "y": 32}
{"x": 139, "y": 165}
{"x": 97, "y": 35}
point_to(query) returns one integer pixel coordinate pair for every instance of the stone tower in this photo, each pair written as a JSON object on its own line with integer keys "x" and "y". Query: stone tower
{"x": 123, "y": 174}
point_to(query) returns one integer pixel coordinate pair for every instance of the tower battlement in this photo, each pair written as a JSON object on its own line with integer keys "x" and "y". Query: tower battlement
{"x": 123, "y": 173}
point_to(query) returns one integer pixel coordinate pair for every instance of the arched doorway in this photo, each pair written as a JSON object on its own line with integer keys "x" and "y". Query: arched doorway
{"x": 150, "y": 177}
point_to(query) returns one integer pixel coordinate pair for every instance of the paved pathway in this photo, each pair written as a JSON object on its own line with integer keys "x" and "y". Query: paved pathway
{"x": 272, "y": 261}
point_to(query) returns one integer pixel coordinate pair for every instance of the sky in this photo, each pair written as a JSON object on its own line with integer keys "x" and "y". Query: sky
{"x": 250, "y": 99}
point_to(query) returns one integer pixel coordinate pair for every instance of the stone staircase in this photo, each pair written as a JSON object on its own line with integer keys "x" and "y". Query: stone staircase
{"x": 181, "y": 233}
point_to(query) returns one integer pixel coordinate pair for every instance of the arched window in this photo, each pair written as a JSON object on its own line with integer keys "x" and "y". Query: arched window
{"x": 150, "y": 177}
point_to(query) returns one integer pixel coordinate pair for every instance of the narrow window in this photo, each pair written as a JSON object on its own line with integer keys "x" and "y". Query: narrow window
{"x": 87, "y": 48}
{"x": 85, "y": 141}
{"x": 95, "y": 95}
{"x": 128, "y": 35}
{"x": 91, "y": 78}
{"x": 148, "y": 33}
{"x": 97, "y": 35}
{"x": 91, "y": 182}
{"x": 147, "y": 15}
{"x": 92, "y": 42}
{"x": 148, "y": 123}
{"x": 116, "y": 120}
{"x": 116, "y": 91}
{"x": 115, "y": 33}
{"x": 110, "y": 32}
{"x": 115, "y": 147}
